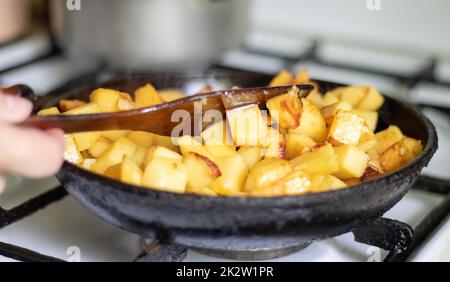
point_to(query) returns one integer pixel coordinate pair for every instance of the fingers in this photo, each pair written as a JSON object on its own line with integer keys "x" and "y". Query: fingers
{"x": 13, "y": 108}
{"x": 30, "y": 152}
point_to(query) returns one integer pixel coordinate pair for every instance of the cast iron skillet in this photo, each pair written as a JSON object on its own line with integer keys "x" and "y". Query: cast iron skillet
{"x": 233, "y": 223}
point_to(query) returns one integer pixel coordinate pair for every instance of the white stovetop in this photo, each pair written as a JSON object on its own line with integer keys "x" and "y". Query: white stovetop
{"x": 66, "y": 224}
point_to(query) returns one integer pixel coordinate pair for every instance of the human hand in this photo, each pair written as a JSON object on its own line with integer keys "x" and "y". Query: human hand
{"x": 26, "y": 151}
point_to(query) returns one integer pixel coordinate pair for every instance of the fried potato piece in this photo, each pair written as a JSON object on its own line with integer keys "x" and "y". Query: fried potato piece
{"x": 283, "y": 78}
{"x": 388, "y": 137}
{"x": 234, "y": 171}
{"x": 296, "y": 145}
{"x": 201, "y": 170}
{"x": 67, "y": 105}
{"x": 166, "y": 174}
{"x": 312, "y": 123}
{"x": 352, "y": 162}
{"x": 266, "y": 172}
{"x": 346, "y": 128}
{"x": 147, "y": 96}
{"x": 286, "y": 109}
{"x": 323, "y": 160}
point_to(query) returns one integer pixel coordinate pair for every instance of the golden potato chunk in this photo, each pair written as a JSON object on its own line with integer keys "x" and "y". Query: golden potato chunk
{"x": 372, "y": 100}
{"x": 251, "y": 155}
{"x": 286, "y": 109}
{"x": 234, "y": 171}
{"x": 295, "y": 183}
{"x": 367, "y": 141}
{"x": 201, "y": 170}
{"x": 147, "y": 96}
{"x": 86, "y": 140}
{"x": 298, "y": 144}
{"x": 247, "y": 125}
{"x": 114, "y": 154}
{"x": 160, "y": 152}
{"x": 141, "y": 138}
{"x": 391, "y": 159}
{"x": 283, "y": 78}
{"x": 312, "y": 123}
{"x": 49, "y": 111}
{"x": 218, "y": 140}
{"x": 410, "y": 149}
{"x": 320, "y": 161}
{"x": 130, "y": 172}
{"x": 114, "y": 135}
{"x": 99, "y": 147}
{"x": 72, "y": 153}
{"x": 170, "y": 95}
{"x": 346, "y": 128}
{"x": 330, "y": 111}
{"x": 139, "y": 155}
{"x": 370, "y": 117}
{"x": 276, "y": 144}
{"x": 326, "y": 182}
{"x": 267, "y": 172}
{"x": 67, "y": 105}
{"x": 91, "y": 108}
{"x": 387, "y": 138}
{"x": 166, "y": 174}
{"x": 106, "y": 99}
{"x": 352, "y": 162}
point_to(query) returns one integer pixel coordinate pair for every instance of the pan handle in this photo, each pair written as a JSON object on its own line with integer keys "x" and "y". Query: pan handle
{"x": 432, "y": 184}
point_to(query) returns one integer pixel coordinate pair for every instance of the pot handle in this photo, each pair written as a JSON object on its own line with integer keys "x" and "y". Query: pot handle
{"x": 22, "y": 91}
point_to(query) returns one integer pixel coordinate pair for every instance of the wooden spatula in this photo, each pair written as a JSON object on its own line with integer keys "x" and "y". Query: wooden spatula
{"x": 159, "y": 118}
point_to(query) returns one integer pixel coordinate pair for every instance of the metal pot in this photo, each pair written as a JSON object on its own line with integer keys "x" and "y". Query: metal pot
{"x": 150, "y": 34}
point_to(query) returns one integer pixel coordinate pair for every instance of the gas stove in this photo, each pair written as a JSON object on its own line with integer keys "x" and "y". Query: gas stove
{"x": 39, "y": 222}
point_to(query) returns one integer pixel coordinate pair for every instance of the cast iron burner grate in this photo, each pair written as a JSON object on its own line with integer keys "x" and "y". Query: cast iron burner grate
{"x": 394, "y": 236}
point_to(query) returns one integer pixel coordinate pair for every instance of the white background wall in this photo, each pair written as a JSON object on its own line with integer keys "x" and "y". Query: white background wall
{"x": 406, "y": 25}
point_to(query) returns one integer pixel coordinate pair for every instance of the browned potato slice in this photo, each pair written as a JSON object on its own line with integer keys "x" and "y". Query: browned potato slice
{"x": 286, "y": 109}
{"x": 346, "y": 128}
{"x": 201, "y": 170}
{"x": 391, "y": 159}
{"x": 267, "y": 172}
{"x": 67, "y": 105}
{"x": 312, "y": 123}
{"x": 160, "y": 152}
{"x": 410, "y": 149}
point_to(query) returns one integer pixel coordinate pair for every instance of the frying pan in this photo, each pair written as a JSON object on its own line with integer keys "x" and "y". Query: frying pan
{"x": 239, "y": 223}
